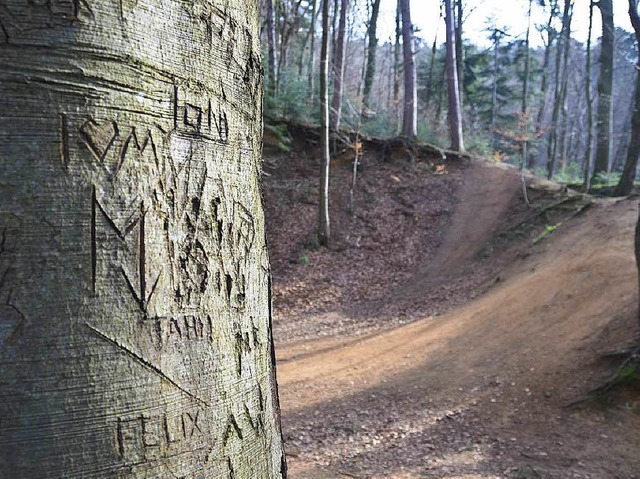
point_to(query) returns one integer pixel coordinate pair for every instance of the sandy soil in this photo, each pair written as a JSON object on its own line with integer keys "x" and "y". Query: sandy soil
{"x": 478, "y": 385}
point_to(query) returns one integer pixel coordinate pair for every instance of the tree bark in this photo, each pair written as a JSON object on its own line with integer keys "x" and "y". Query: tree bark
{"x": 545, "y": 73}
{"x": 605, "y": 88}
{"x": 586, "y": 172}
{"x": 410, "y": 105}
{"x": 625, "y": 184}
{"x": 637, "y": 254}
{"x": 338, "y": 68}
{"x": 135, "y": 317}
{"x": 455, "y": 112}
{"x": 324, "y": 230}
{"x": 396, "y": 64}
{"x": 271, "y": 48}
{"x": 460, "y": 57}
{"x": 371, "y": 55}
{"x": 524, "y": 110}
{"x": 558, "y": 97}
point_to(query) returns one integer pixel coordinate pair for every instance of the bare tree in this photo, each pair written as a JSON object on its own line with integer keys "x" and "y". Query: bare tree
{"x": 135, "y": 339}
{"x": 455, "y": 112}
{"x": 371, "y": 54}
{"x": 605, "y": 90}
{"x": 271, "y": 47}
{"x": 338, "y": 68}
{"x": 625, "y": 185}
{"x": 586, "y": 172}
{"x": 324, "y": 231}
{"x": 410, "y": 105}
{"x": 561, "y": 76}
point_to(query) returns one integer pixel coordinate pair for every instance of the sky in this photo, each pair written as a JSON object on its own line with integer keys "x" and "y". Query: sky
{"x": 509, "y": 15}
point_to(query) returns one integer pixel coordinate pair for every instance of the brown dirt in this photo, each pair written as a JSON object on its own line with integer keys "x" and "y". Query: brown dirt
{"x": 503, "y": 335}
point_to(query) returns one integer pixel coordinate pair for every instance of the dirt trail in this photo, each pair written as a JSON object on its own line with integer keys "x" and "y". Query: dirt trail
{"x": 479, "y": 392}
{"x": 487, "y": 193}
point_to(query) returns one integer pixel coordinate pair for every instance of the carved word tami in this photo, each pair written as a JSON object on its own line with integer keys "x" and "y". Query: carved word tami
{"x": 184, "y": 328}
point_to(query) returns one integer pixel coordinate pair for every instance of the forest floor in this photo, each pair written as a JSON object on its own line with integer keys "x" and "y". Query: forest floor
{"x": 449, "y": 328}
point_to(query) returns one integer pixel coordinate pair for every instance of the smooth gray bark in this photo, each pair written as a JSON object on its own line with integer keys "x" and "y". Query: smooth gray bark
{"x": 271, "y": 47}
{"x": 455, "y": 111}
{"x": 338, "y": 68}
{"x": 410, "y": 105}
{"x": 604, "y": 123}
{"x": 324, "y": 230}
{"x": 625, "y": 185}
{"x": 586, "y": 171}
{"x": 371, "y": 56}
{"x": 135, "y": 335}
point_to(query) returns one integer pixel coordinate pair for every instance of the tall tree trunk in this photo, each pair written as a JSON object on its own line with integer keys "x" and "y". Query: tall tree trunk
{"x": 454, "y": 113}
{"x": 396, "y": 64}
{"x": 324, "y": 231}
{"x": 586, "y": 171}
{"x": 371, "y": 55}
{"x": 494, "y": 87}
{"x": 460, "y": 57}
{"x": 524, "y": 111}
{"x": 625, "y": 185}
{"x": 410, "y": 104}
{"x": 605, "y": 88}
{"x": 562, "y": 44}
{"x": 637, "y": 254}
{"x": 432, "y": 64}
{"x": 271, "y": 48}
{"x": 564, "y": 113}
{"x": 312, "y": 53}
{"x": 135, "y": 332}
{"x": 338, "y": 68}
{"x": 545, "y": 76}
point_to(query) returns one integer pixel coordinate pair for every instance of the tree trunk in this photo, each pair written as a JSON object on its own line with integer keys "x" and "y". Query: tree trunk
{"x": 558, "y": 100}
{"x": 494, "y": 87}
{"x": 586, "y": 171}
{"x": 312, "y": 53}
{"x": 271, "y": 48}
{"x": 524, "y": 110}
{"x": 410, "y": 105}
{"x": 564, "y": 117}
{"x": 605, "y": 88}
{"x": 338, "y": 68}
{"x": 455, "y": 113}
{"x": 371, "y": 55}
{"x": 135, "y": 324}
{"x": 324, "y": 232}
{"x": 396, "y": 63}
{"x": 460, "y": 57}
{"x": 545, "y": 76}
{"x": 432, "y": 64}
{"x": 637, "y": 254}
{"x": 629, "y": 172}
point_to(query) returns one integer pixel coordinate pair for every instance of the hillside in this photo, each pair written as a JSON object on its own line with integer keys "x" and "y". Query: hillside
{"x": 435, "y": 339}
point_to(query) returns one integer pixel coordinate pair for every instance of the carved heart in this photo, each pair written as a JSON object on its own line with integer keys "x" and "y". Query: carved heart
{"x": 99, "y": 137}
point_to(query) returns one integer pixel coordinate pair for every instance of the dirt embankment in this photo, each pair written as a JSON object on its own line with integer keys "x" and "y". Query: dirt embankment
{"x": 480, "y": 389}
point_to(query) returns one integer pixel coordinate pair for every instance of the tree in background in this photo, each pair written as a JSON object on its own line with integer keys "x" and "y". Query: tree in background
{"x": 455, "y": 112}
{"x": 625, "y": 185}
{"x": 338, "y": 68}
{"x": 586, "y": 170}
{"x": 560, "y": 91}
{"x": 271, "y": 48}
{"x": 605, "y": 90}
{"x": 371, "y": 56}
{"x": 136, "y": 318}
{"x": 324, "y": 231}
{"x": 410, "y": 104}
